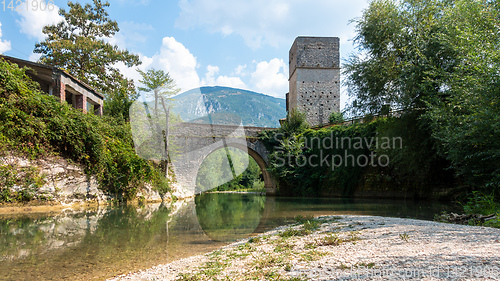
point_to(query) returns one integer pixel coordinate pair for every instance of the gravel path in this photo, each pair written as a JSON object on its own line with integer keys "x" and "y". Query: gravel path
{"x": 347, "y": 248}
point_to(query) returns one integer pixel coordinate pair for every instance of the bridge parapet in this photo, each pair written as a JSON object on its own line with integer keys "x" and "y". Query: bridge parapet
{"x": 211, "y": 130}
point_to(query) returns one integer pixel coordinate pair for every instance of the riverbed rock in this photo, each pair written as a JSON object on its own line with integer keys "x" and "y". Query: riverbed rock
{"x": 67, "y": 182}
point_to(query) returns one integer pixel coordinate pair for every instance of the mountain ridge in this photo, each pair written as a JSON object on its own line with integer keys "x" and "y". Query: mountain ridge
{"x": 204, "y": 104}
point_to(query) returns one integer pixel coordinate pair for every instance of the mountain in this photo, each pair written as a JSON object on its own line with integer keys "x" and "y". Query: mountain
{"x": 220, "y": 104}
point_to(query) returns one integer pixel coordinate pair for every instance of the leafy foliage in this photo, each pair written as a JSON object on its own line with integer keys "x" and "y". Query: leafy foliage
{"x": 295, "y": 123}
{"x": 403, "y": 59}
{"x": 78, "y": 45}
{"x": 119, "y": 100}
{"x": 467, "y": 122}
{"x": 336, "y": 118}
{"x": 215, "y": 167}
{"x": 324, "y": 162}
{"x": 479, "y": 203}
{"x": 162, "y": 86}
{"x": 36, "y": 124}
{"x": 19, "y": 184}
{"x": 442, "y": 59}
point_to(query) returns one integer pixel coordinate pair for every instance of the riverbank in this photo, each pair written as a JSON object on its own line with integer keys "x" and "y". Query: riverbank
{"x": 347, "y": 247}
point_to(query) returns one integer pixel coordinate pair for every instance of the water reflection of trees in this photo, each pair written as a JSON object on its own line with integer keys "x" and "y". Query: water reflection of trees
{"x": 229, "y": 218}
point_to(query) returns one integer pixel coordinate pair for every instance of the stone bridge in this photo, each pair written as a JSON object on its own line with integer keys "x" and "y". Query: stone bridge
{"x": 190, "y": 143}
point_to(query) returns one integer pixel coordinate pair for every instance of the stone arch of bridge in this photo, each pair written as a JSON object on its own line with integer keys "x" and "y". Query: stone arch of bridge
{"x": 269, "y": 182}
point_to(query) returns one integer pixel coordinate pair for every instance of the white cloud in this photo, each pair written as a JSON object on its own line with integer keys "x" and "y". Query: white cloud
{"x": 33, "y": 20}
{"x": 226, "y": 81}
{"x": 173, "y": 58}
{"x": 210, "y": 75}
{"x": 4, "y": 44}
{"x": 270, "y": 78}
{"x": 131, "y": 35}
{"x": 34, "y": 57}
{"x": 272, "y": 22}
{"x": 240, "y": 70}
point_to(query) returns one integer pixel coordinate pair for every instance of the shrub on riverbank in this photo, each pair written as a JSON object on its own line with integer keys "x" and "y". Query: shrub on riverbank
{"x": 391, "y": 157}
{"x": 36, "y": 125}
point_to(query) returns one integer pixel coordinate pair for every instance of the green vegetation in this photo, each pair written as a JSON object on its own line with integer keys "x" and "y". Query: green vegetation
{"x": 404, "y": 161}
{"x": 215, "y": 171}
{"x": 404, "y": 236}
{"x": 307, "y": 224}
{"x": 19, "y": 184}
{"x": 439, "y": 59}
{"x": 336, "y": 118}
{"x": 36, "y": 125}
{"x": 160, "y": 86}
{"x": 272, "y": 256}
{"x": 335, "y": 240}
{"x": 480, "y": 209}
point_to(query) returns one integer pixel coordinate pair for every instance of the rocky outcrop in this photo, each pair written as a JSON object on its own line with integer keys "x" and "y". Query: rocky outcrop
{"x": 67, "y": 182}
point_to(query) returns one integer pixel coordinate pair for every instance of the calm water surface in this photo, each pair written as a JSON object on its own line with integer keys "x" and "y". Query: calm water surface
{"x": 104, "y": 242}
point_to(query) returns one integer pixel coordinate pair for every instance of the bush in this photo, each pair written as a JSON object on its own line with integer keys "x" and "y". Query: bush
{"x": 414, "y": 168}
{"x": 295, "y": 123}
{"x": 479, "y": 203}
{"x": 336, "y": 118}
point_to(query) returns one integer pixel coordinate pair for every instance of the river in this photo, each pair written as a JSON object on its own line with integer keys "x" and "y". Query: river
{"x": 98, "y": 243}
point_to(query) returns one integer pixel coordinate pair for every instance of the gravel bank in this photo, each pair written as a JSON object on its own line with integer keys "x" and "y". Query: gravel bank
{"x": 347, "y": 248}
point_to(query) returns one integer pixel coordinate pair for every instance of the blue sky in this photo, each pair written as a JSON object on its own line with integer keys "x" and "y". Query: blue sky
{"x": 236, "y": 43}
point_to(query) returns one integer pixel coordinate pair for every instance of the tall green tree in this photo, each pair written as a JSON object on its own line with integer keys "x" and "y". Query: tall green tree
{"x": 441, "y": 57}
{"x": 162, "y": 86}
{"x": 78, "y": 44}
{"x": 402, "y": 60}
{"x": 120, "y": 99}
{"x": 467, "y": 121}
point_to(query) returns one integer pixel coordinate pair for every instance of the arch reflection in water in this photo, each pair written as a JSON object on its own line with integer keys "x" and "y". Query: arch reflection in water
{"x": 229, "y": 218}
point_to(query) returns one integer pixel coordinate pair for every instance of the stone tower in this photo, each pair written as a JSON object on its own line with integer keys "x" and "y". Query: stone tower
{"x": 314, "y": 82}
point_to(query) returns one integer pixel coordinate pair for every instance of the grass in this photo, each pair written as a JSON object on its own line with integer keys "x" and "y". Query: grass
{"x": 270, "y": 257}
{"x": 307, "y": 224}
{"x": 404, "y": 236}
{"x": 335, "y": 240}
{"x": 311, "y": 255}
{"x": 265, "y": 261}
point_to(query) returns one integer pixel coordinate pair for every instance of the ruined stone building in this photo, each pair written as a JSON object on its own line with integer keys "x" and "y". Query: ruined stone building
{"x": 314, "y": 81}
{"x": 64, "y": 86}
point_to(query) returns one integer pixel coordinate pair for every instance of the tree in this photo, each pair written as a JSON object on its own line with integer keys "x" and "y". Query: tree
{"x": 162, "y": 86}
{"x": 160, "y": 83}
{"x": 120, "y": 99}
{"x": 294, "y": 124}
{"x": 78, "y": 45}
{"x": 467, "y": 122}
